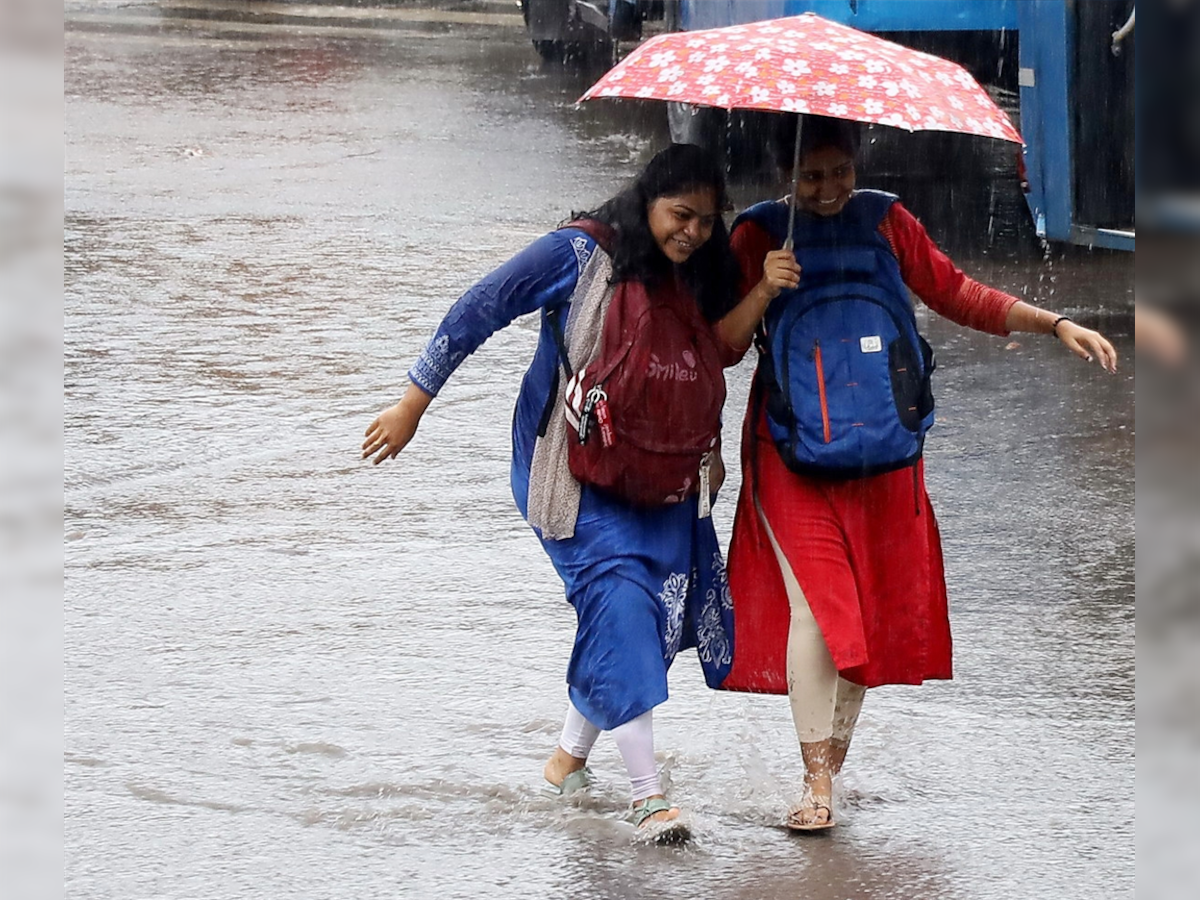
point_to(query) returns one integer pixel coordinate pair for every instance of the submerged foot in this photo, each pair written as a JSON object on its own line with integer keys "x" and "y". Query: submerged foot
{"x": 658, "y": 821}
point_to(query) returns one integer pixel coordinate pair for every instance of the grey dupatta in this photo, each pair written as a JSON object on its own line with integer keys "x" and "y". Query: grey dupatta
{"x": 554, "y": 494}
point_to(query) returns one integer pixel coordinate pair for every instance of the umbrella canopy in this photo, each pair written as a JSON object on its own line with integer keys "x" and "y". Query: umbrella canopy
{"x": 807, "y": 64}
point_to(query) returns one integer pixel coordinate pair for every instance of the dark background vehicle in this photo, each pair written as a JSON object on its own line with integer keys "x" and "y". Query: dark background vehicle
{"x": 566, "y": 29}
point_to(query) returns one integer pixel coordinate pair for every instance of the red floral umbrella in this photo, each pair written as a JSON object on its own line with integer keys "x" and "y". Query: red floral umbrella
{"x": 807, "y": 64}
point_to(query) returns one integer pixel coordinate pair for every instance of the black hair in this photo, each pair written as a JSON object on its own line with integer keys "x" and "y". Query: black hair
{"x": 817, "y": 133}
{"x": 711, "y": 272}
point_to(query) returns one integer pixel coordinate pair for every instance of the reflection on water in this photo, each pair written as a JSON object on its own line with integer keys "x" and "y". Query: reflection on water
{"x": 289, "y": 672}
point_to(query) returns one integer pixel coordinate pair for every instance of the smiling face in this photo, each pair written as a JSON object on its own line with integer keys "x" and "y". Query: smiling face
{"x": 825, "y": 182}
{"x": 681, "y": 223}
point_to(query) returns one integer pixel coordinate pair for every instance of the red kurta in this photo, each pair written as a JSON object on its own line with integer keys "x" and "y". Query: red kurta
{"x": 866, "y": 552}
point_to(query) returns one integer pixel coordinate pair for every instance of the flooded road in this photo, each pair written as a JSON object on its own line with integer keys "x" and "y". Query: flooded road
{"x": 292, "y": 674}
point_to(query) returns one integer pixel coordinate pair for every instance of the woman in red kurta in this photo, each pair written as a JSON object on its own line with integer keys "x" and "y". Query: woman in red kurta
{"x": 838, "y": 584}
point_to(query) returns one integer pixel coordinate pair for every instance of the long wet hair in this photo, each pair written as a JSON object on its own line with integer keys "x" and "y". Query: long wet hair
{"x": 711, "y": 272}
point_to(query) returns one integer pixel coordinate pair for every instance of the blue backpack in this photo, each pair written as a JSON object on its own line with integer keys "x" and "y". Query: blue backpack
{"x": 846, "y": 376}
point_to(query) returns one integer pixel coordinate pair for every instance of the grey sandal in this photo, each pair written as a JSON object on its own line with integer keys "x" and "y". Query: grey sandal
{"x": 579, "y": 780}
{"x": 671, "y": 831}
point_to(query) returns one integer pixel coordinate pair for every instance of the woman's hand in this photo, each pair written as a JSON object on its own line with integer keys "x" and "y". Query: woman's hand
{"x": 781, "y": 272}
{"x": 394, "y": 428}
{"x": 716, "y": 476}
{"x": 1087, "y": 344}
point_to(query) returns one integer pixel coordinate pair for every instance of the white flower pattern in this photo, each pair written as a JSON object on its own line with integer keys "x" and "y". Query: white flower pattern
{"x": 712, "y": 638}
{"x": 582, "y": 252}
{"x": 673, "y": 599}
{"x": 806, "y": 63}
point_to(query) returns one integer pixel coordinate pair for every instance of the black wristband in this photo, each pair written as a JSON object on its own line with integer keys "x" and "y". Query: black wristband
{"x": 1054, "y": 327}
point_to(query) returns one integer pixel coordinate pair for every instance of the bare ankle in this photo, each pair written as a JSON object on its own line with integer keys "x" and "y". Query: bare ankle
{"x": 561, "y": 764}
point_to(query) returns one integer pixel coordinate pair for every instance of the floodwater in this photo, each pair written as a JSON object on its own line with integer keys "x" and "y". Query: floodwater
{"x": 291, "y": 674}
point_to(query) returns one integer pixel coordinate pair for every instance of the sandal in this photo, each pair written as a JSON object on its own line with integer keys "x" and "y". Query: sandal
{"x": 659, "y": 831}
{"x": 795, "y": 823}
{"x": 579, "y": 780}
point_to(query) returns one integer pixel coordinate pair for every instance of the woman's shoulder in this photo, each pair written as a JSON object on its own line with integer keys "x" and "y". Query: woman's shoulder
{"x": 583, "y": 238}
{"x": 761, "y": 209}
{"x": 901, "y": 224}
{"x": 591, "y": 233}
{"x": 766, "y": 217}
{"x": 878, "y": 204}
{"x": 564, "y": 247}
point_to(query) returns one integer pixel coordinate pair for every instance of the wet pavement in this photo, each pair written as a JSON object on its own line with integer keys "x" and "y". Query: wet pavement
{"x": 289, "y": 673}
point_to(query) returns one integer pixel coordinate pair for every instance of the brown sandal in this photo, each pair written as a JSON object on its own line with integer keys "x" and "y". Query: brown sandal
{"x": 794, "y": 822}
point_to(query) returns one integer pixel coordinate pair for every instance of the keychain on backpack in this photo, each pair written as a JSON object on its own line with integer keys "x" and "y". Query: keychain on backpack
{"x": 705, "y": 498}
{"x": 596, "y": 402}
{"x": 608, "y": 436}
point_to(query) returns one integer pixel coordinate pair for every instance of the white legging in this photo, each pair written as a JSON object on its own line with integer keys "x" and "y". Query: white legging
{"x": 635, "y": 741}
{"x": 824, "y": 704}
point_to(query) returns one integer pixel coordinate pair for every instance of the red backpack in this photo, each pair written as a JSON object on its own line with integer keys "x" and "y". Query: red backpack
{"x": 644, "y": 414}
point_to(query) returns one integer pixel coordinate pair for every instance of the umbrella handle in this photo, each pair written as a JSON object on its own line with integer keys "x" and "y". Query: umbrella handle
{"x": 789, "y": 242}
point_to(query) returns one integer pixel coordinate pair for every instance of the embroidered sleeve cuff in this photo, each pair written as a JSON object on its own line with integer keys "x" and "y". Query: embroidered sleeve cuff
{"x": 435, "y": 365}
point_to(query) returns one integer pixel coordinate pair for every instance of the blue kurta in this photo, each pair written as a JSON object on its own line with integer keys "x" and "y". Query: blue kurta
{"x": 644, "y": 583}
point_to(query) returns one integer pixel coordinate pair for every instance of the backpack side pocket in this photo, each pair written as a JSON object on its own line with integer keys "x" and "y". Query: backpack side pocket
{"x": 910, "y": 386}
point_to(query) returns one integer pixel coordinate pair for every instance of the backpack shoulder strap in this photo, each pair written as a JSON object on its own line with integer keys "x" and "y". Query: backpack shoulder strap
{"x": 770, "y": 215}
{"x": 554, "y": 320}
{"x": 603, "y": 235}
{"x": 873, "y": 205}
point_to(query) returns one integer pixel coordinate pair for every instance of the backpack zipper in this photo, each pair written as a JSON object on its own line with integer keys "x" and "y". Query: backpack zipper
{"x": 821, "y": 390}
{"x": 816, "y": 354}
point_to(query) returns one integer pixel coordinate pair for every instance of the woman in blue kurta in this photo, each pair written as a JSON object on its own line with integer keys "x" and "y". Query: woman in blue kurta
{"x": 644, "y": 581}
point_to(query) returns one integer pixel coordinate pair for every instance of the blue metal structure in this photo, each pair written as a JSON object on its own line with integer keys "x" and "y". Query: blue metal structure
{"x": 866, "y": 15}
{"x": 1050, "y": 92}
{"x": 1053, "y": 75}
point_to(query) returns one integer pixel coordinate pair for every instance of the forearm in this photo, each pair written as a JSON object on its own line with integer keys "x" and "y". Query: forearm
{"x": 1083, "y": 342}
{"x": 738, "y": 327}
{"x": 1031, "y": 319}
{"x": 416, "y": 399}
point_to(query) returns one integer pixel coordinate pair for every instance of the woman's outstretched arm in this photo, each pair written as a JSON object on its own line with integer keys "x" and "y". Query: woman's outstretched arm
{"x": 543, "y": 274}
{"x": 945, "y": 289}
